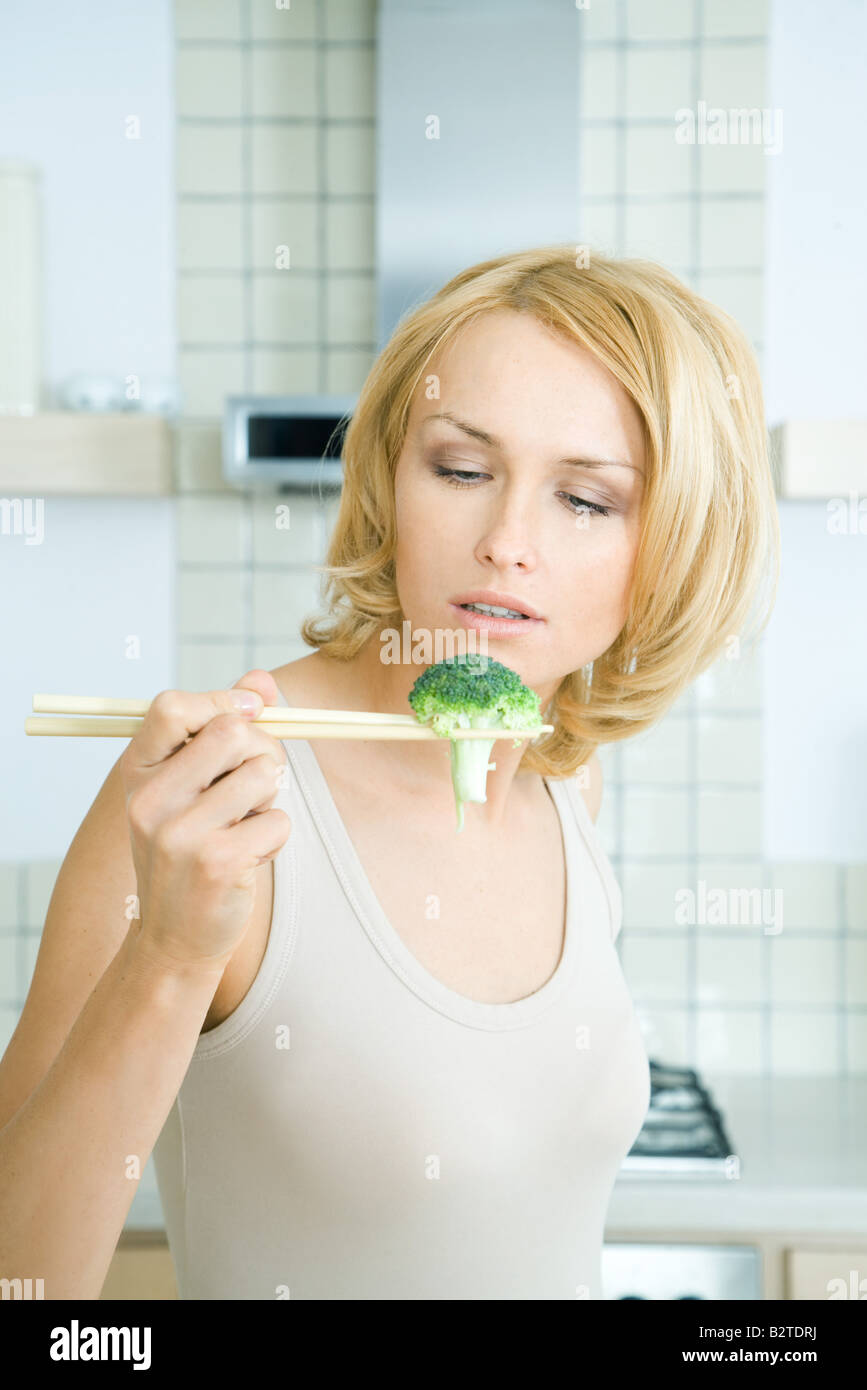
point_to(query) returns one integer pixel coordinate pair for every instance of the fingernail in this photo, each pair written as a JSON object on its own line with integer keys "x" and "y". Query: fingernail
{"x": 246, "y": 701}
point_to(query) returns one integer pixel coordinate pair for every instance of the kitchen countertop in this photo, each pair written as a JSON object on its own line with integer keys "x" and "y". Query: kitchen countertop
{"x": 802, "y": 1142}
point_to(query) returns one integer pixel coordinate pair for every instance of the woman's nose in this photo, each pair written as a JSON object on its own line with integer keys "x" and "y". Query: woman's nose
{"x": 507, "y": 540}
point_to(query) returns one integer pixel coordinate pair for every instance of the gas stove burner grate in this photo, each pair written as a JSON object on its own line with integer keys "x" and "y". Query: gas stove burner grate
{"x": 682, "y": 1126}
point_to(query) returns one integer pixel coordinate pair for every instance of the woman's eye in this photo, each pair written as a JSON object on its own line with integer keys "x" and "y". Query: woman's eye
{"x": 581, "y": 505}
{"x": 456, "y": 476}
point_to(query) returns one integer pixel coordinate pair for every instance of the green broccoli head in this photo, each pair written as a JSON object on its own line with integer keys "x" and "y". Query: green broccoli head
{"x": 472, "y": 692}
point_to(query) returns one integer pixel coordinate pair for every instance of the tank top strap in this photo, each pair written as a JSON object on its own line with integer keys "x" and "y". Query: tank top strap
{"x": 590, "y": 834}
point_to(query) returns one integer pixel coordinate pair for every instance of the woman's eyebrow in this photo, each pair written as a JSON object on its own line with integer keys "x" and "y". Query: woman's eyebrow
{"x": 491, "y": 440}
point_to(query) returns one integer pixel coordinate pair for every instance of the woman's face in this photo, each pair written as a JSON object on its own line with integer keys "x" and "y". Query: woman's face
{"x": 518, "y": 526}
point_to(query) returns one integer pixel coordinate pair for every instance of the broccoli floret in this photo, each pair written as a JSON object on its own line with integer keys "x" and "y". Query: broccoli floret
{"x": 473, "y": 692}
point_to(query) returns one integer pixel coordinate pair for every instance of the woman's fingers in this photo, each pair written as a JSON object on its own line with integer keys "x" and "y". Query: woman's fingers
{"x": 243, "y": 791}
{"x": 174, "y": 716}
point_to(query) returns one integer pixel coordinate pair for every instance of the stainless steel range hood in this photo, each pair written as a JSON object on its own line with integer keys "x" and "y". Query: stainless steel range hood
{"x": 477, "y": 131}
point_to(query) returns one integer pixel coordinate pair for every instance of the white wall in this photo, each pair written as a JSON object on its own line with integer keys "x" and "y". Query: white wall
{"x": 815, "y": 366}
{"x": 70, "y": 74}
{"x": 815, "y": 353}
{"x": 104, "y": 572}
{"x": 815, "y": 695}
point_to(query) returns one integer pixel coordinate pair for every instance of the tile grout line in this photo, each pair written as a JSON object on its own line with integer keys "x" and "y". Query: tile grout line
{"x": 322, "y": 184}
{"x": 246, "y": 565}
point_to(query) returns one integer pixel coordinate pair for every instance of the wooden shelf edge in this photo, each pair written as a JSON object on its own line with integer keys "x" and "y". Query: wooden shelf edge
{"x": 78, "y": 453}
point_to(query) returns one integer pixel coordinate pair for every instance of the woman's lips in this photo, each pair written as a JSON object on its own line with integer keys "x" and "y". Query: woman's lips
{"x": 497, "y": 627}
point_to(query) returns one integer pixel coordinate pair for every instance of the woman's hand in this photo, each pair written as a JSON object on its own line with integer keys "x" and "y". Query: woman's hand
{"x": 200, "y": 781}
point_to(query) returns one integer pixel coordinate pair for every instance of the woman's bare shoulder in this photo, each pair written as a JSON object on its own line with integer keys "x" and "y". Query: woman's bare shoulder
{"x": 308, "y": 681}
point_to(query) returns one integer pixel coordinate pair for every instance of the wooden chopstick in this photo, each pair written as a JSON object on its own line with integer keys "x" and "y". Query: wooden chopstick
{"x": 127, "y": 717}
{"x": 271, "y": 714}
{"x": 93, "y": 726}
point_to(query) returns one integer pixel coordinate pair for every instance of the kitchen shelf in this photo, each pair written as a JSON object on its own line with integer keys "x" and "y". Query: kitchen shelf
{"x": 72, "y": 453}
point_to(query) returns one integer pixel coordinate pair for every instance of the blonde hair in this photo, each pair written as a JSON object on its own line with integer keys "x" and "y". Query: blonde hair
{"x": 709, "y": 546}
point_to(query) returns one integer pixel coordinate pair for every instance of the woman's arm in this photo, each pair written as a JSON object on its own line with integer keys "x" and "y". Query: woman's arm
{"x": 72, "y": 1156}
{"x": 111, "y": 1018}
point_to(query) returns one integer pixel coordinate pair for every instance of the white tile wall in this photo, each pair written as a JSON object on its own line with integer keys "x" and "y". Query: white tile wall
{"x": 599, "y": 222}
{"x": 660, "y": 19}
{"x": 649, "y": 893}
{"x": 210, "y": 603}
{"x": 599, "y": 70}
{"x": 283, "y": 81}
{"x": 297, "y": 22}
{"x": 8, "y": 896}
{"x": 855, "y": 1042}
{"x": 288, "y": 530}
{"x": 210, "y": 236}
{"x": 667, "y": 1033}
{"x": 9, "y": 966}
{"x": 599, "y": 21}
{"x": 285, "y": 309}
{"x": 803, "y": 1042}
{"x": 731, "y": 683}
{"x": 728, "y": 968}
{"x": 658, "y": 83}
{"x": 656, "y": 821}
{"x": 207, "y": 81}
{"x": 730, "y": 168}
{"x": 283, "y": 159}
{"x": 738, "y": 294}
{"x": 202, "y": 19}
{"x": 730, "y": 232}
{"x": 735, "y": 18}
{"x": 212, "y": 665}
{"x": 660, "y": 230}
{"x": 657, "y": 967}
{"x": 855, "y": 971}
{"x": 811, "y": 895}
{"x": 211, "y": 309}
{"x": 350, "y": 87}
{"x": 208, "y": 159}
{"x": 855, "y": 897}
{"x": 660, "y": 754}
{"x": 733, "y": 75}
{"x": 729, "y": 749}
{"x": 598, "y": 155}
{"x": 209, "y": 530}
{"x": 292, "y": 223}
{"x": 730, "y": 1041}
{"x": 280, "y": 371}
{"x": 804, "y": 970}
{"x": 209, "y": 376}
{"x": 729, "y": 822}
{"x": 655, "y": 165}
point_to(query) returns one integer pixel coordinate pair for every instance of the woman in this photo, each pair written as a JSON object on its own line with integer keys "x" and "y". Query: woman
{"x": 404, "y": 1062}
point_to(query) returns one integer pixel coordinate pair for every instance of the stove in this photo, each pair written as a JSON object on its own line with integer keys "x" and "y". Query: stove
{"x": 683, "y": 1134}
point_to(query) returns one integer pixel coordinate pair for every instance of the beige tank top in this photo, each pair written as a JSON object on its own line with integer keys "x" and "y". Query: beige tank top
{"x": 358, "y": 1130}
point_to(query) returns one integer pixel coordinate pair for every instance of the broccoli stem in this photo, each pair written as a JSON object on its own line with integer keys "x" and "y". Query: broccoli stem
{"x": 470, "y": 758}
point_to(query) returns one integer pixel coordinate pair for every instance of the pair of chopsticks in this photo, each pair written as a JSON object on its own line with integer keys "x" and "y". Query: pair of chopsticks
{"x": 97, "y": 716}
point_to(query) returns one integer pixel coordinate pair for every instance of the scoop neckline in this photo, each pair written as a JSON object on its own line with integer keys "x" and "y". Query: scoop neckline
{"x": 388, "y": 941}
